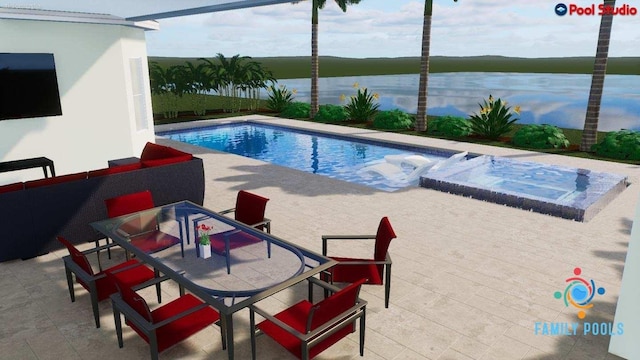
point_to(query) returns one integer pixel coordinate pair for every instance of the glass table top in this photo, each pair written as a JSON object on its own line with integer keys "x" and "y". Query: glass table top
{"x": 253, "y": 270}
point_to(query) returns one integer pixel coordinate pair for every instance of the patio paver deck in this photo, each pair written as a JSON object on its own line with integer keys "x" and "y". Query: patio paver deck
{"x": 470, "y": 278}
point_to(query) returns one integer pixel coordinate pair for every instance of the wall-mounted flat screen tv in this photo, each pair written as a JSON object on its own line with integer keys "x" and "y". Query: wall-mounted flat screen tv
{"x": 28, "y": 86}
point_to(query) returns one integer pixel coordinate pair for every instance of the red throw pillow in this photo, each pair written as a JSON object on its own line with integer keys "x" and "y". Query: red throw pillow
{"x": 54, "y": 180}
{"x": 114, "y": 170}
{"x": 11, "y": 187}
{"x": 166, "y": 161}
{"x": 153, "y": 151}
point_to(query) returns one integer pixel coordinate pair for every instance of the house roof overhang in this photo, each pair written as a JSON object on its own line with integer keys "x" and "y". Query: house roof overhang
{"x": 140, "y": 10}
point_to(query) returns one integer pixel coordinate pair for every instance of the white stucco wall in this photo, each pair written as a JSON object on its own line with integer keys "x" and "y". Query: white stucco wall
{"x": 94, "y": 78}
{"x": 627, "y": 346}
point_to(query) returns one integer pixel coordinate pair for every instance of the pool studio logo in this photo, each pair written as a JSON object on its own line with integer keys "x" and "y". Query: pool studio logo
{"x": 578, "y": 293}
{"x": 602, "y": 9}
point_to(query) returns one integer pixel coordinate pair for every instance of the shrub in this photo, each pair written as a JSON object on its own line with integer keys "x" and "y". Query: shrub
{"x": 451, "y": 126}
{"x": 540, "y": 137}
{"x": 331, "y": 113}
{"x": 494, "y": 119}
{"x": 392, "y": 120}
{"x": 279, "y": 98}
{"x": 623, "y": 144}
{"x": 362, "y": 106}
{"x": 296, "y": 110}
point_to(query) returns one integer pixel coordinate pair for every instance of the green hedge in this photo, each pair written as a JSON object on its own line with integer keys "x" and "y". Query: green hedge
{"x": 623, "y": 144}
{"x": 331, "y": 113}
{"x": 450, "y": 126}
{"x": 296, "y": 110}
{"x": 393, "y": 120}
{"x": 540, "y": 137}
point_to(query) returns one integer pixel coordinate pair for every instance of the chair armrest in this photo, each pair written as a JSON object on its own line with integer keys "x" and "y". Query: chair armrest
{"x": 277, "y": 322}
{"x": 151, "y": 282}
{"x": 178, "y": 316}
{"x": 99, "y": 248}
{"x": 342, "y": 237}
{"x": 226, "y": 211}
{"x": 323, "y": 284}
{"x": 263, "y": 222}
{"x": 330, "y": 326}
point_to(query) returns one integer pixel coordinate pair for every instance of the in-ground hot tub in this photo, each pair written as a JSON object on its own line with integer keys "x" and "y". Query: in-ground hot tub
{"x": 570, "y": 193}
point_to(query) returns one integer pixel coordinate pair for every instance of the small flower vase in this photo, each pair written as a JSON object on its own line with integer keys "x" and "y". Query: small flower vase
{"x": 205, "y": 251}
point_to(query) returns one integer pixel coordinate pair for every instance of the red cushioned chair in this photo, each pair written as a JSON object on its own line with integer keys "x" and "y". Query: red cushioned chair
{"x": 377, "y": 271}
{"x": 250, "y": 209}
{"x": 164, "y": 326}
{"x": 99, "y": 287}
{"x": 306, "y": 329}
{"x": 148, "y": 236}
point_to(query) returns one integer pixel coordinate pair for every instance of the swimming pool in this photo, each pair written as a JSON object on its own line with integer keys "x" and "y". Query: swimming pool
{"x": 570, "y": 193}
{"x": 333, "y": 156}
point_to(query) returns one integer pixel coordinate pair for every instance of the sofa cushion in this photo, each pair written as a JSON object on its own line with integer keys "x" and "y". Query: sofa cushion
{"x": 11, "y": 187}
{"x": 166, "y": 161}
{"x": 114, "y": 170}
{"x": 153, "y": 151}
{"x": 54, "y": 180}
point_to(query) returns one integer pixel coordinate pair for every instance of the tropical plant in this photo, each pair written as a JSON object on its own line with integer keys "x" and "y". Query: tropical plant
{"x": 279, "y": 97}
{"x": 450, "y": 126}
{"x": 331, "y": 113}
{"x": 168, "y": 84}
{"x": 494, "y": 120}
{"x": 590, "y": 131}
{"x": 238, "y": 78}
{"x": 199, "y": 83}
{"x": 540, "y": 137}
{"x": 317, "y": 5}
{"x": 296, "y": 110}
{"x": 623, "y": 144}
{"x": 421, "y": 118}
{"x": 363, "y": 106}
{"x": 393, "y": 120}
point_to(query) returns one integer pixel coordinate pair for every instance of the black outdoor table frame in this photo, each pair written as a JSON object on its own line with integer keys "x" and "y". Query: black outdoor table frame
{"x": 182, "y": 210}
{"x": 23, "y": 164}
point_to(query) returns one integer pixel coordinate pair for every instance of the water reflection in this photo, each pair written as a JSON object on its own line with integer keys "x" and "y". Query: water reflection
{"x": 558, "y": 99}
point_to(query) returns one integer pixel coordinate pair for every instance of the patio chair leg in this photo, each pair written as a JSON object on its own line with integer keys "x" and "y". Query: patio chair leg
{"x": 387, "y": 286}
{"x": 118, "y": 322}
{"x": 94, "y": 302}
{"x": 252, "y": 328}
{"x": 362, "y": 329}
{"x": 70, "y": 283}
{"x": 158, "y": 290}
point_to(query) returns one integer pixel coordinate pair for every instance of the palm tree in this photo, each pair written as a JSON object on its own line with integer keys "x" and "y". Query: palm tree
{"x": 590, "y": 131}
{"x": 317, "y": 5}
{"x": 421, "y": 121}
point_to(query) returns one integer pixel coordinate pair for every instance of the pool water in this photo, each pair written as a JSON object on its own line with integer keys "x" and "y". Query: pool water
{"x": 570, "y": 193}
{"x": 327, "y": 155}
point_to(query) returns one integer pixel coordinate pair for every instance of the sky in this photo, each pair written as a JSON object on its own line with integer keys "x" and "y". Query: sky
{"x": 393, "y": 28}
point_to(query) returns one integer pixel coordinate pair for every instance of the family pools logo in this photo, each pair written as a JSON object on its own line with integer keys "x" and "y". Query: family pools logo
{"x": 602, "y": 9}
{"x": 579, "y": 293}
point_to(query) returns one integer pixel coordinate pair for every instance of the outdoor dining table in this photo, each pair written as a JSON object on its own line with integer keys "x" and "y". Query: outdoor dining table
{"x": 254, "y": 274}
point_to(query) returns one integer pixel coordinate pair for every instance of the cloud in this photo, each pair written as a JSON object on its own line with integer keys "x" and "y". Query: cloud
{"x": 384, "y": 28}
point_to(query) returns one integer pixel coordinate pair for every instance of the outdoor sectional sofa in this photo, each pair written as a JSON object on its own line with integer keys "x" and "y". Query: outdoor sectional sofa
{"x": 33, "y": 213}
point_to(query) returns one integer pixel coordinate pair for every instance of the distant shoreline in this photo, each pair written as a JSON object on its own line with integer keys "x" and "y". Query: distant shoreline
{"x": 291, "y": 67}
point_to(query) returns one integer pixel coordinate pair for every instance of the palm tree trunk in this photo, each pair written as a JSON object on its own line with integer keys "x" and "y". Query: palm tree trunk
{"x": 590, "y": 131}
{"x": 421, "y": 120}
{"x": 314, "y": 59}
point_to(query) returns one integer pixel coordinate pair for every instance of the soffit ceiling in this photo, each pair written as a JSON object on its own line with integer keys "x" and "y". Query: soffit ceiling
{"x": 139, "y": 10}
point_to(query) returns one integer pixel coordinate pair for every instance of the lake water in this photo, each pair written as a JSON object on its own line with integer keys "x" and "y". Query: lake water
{"x": 557, "y": 99}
